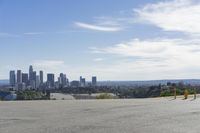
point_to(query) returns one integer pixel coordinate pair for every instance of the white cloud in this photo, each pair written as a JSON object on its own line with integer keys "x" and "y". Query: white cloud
{"x": 173, "y": 15}
{"x": 152, "y": 59}
{"x": 95, "y": 27}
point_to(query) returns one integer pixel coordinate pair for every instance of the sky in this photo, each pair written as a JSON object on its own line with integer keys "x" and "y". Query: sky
{"x": 112, "y": 39}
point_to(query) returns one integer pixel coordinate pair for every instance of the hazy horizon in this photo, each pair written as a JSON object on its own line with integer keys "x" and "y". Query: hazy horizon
{"x": 125, "y": 41}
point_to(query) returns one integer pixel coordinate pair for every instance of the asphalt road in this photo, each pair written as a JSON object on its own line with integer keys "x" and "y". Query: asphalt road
{"x": 158, "y": 115}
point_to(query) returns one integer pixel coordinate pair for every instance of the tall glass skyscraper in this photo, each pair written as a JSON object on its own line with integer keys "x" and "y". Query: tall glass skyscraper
{"x": 19, "y": 76}
{"x": 12, "y": 78}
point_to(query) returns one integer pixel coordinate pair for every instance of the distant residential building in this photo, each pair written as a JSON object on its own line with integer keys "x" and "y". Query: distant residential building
{"x": 50, "y": 80}
{"x": 12, "y": 78}
{"x": 94, "y": 81}
{"x": 19, "y": 76}
{"x": 25, "y": 78}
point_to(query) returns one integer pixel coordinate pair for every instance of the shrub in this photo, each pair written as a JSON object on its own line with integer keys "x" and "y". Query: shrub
{"x": 104, "y": 96}
{"x": 166, "y": 93}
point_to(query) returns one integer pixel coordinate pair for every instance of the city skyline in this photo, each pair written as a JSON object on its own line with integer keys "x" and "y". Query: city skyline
{"x": 35, "y": 80}
{"x": 41, "y": 73}
{"x": 132, "y": 40}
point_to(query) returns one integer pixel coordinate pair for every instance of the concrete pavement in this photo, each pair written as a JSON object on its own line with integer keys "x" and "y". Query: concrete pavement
{"x": 154, "y": 115}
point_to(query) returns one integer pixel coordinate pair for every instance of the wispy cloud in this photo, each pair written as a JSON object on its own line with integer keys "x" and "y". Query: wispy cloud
{"x": 34, "y": 33}
{"x": 8, "y": 35}
{"x": 48, "y": 63}
{"x": 98, "y": 27}
{"x": 173, "y": 15}
{"x": 98, "y": 59}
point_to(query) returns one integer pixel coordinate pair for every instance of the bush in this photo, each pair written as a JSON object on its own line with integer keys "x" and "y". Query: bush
{"x": 104, "y": 96}
{"x": 29, "y": 95}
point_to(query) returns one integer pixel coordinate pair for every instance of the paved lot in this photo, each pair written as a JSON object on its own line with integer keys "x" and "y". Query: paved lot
{"x": 158, "y": 115}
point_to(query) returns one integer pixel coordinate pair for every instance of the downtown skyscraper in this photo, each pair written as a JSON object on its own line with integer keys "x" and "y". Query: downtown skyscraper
{"x": 12, "y": 78}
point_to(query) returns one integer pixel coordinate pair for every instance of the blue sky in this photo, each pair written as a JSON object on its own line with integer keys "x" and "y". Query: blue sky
{"x": 115, "y": 40}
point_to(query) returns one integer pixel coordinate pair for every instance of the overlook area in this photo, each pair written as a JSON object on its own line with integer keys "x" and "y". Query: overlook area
{"x": 163, "y": 115}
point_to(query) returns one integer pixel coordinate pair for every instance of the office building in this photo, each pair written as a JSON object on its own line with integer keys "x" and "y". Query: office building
{"x": 50, "y": 80}
{"x": 30, "y": 73}
{"x": 37, "y": 83}
{"x": 19, "y": 76}
{"x": 34, "y": 75}
{"x": 94, "y": 81}
{"x": 65, "y": 80}
{"x": 33, "y": 84}
{"x": 21, "y": 86}
{"x": 82, "y": 81}
{"x": 41, "y": 77}
{"x": 12, "y": 78}
{"x": 62, "y": 80}
{"x": 74, "y": 83}
{"x": 25, "y": 78}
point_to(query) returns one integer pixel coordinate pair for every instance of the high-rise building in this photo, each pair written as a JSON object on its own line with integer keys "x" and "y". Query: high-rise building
{"x": 32, "y": 84}
{"x": 41, "y": 77}
{"x": 34, "y": 75}
{"x": 37, "y": 83}
{"x": 30, "y": 73}
{"x": 50, "y": 80}
{"x": 25, "y": 78}
{"x": 59, "y": 81}
{"x": 12, "y": 78}
{"x": 33, "y": 80}
{"x": 62, "y": 80}
{"x": 82, "y": 81}
{"x": 65, "y": 80}
{"x": 19, "y": 76}
{"x": 94, "y": 81}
